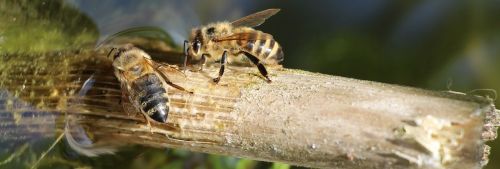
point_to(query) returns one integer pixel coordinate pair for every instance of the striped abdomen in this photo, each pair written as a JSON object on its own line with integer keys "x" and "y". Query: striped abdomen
{"x": 151, "y": 97}
{"x": 262, "y": 46}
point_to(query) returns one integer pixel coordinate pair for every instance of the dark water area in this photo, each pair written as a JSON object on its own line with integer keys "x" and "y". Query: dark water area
{"x": 436, "y": 45}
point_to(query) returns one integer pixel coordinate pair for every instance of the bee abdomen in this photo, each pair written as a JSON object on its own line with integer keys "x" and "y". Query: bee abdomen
{"x": 276, "y": 54}
{"x": 152, "y": 97}
{"x": 271, "y": 50}
{"x": 265, "y": 47}
{"x": 157, "y": 108}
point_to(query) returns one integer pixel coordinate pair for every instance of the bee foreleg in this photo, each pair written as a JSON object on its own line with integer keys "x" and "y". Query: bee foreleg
{"x": 256, "y": 61}
{"x": 186, "y": 48}
{"x": 148, "y": 122}
{"x": 222, "y": 66}
{"x": 203, "y": 61}
{"x": 112, "y": 49}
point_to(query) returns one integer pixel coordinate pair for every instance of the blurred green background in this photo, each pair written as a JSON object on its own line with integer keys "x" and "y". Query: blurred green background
{"x": 436, "y": 45}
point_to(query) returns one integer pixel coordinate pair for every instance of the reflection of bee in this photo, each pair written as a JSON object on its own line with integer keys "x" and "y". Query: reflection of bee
{"x": 144, "y": 83}
{"x": 217, "y": 40}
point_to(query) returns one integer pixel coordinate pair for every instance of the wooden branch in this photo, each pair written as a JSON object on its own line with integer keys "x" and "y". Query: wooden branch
{"x": 302, "y": 118}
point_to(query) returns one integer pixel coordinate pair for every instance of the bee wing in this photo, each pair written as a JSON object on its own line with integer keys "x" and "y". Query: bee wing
{"x": 138, "y": 36}
{"x": 245, "y": 36}
{"x": 126, "y": 103}
{"x": 255, "y": 19}
{"x": 163, "y": 69}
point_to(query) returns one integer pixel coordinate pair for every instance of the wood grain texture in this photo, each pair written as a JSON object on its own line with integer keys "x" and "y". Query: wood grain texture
{"x": 302, "y": 118}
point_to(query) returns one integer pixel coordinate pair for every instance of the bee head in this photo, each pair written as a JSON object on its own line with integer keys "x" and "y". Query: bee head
{"x": 196, "y": 42}
{"x": 131, "y": 63}
{"x": 196, "y": 46}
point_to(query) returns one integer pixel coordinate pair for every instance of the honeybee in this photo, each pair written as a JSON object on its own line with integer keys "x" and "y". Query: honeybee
{"x": 237, "y": 39}
{"x": 143, "y": 81}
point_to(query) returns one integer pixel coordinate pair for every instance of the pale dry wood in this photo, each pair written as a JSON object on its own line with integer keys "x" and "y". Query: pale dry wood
{"x": 301, "y": 118}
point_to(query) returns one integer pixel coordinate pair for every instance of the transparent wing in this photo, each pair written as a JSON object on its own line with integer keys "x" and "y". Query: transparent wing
{"x": 153, "y": 40}
{"x": 75, "y": 134}
{"x": 143, "y": 37}
{"x": 255, "y": 19}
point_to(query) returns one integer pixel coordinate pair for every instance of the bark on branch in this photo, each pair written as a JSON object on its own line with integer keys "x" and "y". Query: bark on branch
{"x": 302, "y": 118}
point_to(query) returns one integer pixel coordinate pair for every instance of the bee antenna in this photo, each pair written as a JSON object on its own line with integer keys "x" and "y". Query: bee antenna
{"x": 112, "y": 49}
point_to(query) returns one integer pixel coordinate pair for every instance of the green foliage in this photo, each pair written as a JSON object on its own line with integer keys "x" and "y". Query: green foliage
{"x": 245, "y": 164}
{"x": 41, "y": 26}
{"x": 280, "y": 166}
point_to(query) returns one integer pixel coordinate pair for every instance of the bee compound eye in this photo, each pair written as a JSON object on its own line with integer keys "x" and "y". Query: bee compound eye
{"x": 135, "y": 69}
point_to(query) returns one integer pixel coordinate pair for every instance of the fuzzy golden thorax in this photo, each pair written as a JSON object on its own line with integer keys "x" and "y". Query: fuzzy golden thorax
{"x": 132, "y": 64}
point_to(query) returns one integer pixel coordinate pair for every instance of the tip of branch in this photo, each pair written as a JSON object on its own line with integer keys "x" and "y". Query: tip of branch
{"x": 491, "y": 124}
{"x": 439, "y": 137}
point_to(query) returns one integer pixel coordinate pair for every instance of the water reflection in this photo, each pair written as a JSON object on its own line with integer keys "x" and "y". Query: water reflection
{"x": 177, "y": 17}
{"x": 16, "y": 112}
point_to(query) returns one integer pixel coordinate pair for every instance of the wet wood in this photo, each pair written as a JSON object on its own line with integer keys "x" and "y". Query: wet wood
{"x": 302, "y": 118}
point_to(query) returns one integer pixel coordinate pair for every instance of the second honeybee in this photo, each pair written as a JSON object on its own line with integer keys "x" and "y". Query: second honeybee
{"x": 227, "y": 41}
{"x": 143, "y": 82}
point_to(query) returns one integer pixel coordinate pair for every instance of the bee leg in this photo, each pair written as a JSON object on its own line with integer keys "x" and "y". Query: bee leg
{"x": 203, "y": 61}
{"x": 167, "y": 66}
{"x": 124, "y": 92}
{"x": 112, "y": 49}
{"x": 262, "y": 68}
{"x": 222, "y": 66}
{"x": 148, "y": 122}
{"x": 186, "y": 48}
{"x": 165, "y": 78}
{"x": 121, "y": 101}
{"x": 178, "y": 87}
